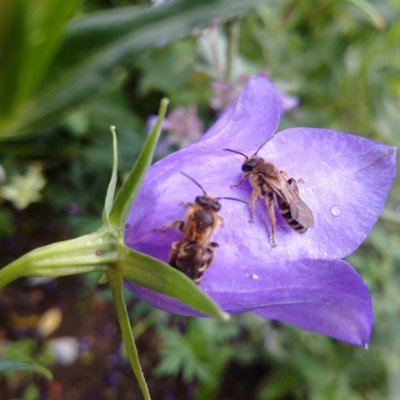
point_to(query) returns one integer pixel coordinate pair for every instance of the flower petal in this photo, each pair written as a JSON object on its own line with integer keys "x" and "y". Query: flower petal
{"x": 251, "y": 120}
{"x": 343, "y": 178}
{"x": 324, "y": 296}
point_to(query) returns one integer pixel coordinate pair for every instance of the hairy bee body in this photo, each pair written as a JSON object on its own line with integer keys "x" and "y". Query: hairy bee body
{"x": 194, "y": 253}
{"x": 201, "y": 220}
{"x": 269, "y": 183}
{"x": 191, "y": 258}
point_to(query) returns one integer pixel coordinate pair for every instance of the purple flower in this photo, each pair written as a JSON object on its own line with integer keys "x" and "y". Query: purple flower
{"x": 226, "y": 93}
{"x": 183, "y": 126}
{"x": 344, "y": 179}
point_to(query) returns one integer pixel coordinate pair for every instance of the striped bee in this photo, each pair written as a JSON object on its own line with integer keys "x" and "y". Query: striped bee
{"x": 268, "y": 182}
{"x": 194, "y": 253}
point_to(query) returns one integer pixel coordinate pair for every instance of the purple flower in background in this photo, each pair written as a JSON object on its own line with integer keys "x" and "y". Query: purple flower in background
{"x": 344, "y": 179}
{"x": 226, "y": 93}
{"x": 183, "y": 125}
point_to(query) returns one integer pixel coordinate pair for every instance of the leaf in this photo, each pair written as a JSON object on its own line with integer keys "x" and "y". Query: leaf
{"x": 124, "y": 34}
{"x": 371, "y": 12}
{"x": 30, "y": 35}
{"x": 154, "y": 274}
{"x": 12, "y": 365}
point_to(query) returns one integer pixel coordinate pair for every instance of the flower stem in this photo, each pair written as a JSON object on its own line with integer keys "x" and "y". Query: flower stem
{"x": 233, "y": 36}
{"x": 115, "y": 282}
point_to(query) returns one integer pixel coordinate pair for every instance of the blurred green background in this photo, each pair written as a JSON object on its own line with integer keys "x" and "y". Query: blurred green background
{"x": 69, "y": 70}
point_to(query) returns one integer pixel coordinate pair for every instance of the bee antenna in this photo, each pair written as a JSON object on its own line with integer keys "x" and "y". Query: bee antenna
{"x": 262, "y": 145}
{"x": 232, "y": 198}
{"x": 194, "y": 181}
{"x": 237, "y": 152}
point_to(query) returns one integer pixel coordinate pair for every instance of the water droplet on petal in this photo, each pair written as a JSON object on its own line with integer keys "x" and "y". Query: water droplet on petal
{"x": 254, "y": 276}
{"x": 127, "y": 225}
{"x": 336, "y": 211}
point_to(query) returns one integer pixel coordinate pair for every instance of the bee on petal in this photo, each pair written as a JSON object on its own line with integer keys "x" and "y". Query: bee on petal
{"x": 268, "y": 182}
{"x": 194, "y": 253}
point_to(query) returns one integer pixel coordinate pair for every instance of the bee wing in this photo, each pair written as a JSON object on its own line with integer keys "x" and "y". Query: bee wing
{"x": 299, "y": 210}
{"x": 302, "y": 213}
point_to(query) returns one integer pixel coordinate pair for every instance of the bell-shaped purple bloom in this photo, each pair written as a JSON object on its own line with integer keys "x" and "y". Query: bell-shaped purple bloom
{"x": 344, "y": 179}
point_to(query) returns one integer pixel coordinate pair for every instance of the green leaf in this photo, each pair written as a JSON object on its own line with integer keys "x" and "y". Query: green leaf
{"x": 371, "y": 12}
{"x": 160, "y": 277}
{"x": 130, "y": 188}
{"x": 30, "y": 34}
{"x": 124, "y": 34}
{"x": 12, "y": 365}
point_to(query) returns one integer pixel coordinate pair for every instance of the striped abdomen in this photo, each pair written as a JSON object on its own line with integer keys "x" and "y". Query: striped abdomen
{"x": 284, "y": 209}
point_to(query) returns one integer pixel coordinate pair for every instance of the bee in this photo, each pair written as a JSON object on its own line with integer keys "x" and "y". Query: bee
{"x": 201, "y": 219}
{"x": 194, "y": 253}
{"x": 269, "y": 182}
{"x": 191, "y": 258}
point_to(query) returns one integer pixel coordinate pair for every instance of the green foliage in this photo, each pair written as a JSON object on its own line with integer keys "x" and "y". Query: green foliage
{"x": 30, "y": 35}
{"x": 110, "y": 68}
{"x": 200, "y": 354}
{"x": 96, "y": 53}
{"x": 24, "y": 356}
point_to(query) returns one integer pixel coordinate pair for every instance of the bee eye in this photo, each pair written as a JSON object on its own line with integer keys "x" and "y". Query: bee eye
{"x": 216, "y": 205}
{"x": 247, "y": 167}
{"x": 203, "y": 201}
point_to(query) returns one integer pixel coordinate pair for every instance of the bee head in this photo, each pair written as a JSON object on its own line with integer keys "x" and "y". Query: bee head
{"x": 248, "y": 165}
{"x": 208, "y": 202}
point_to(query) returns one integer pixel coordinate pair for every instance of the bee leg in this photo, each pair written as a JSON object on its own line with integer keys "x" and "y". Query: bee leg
{"x": 173, "y": 255}
{"x": 285, "y": 176}
{"x": 242, "y": 179}
{"x": 186, "y": 204}
{"x": 213, "y": 244}
{"x": 179, "y": 224}
{"x": 290, "y": 181}
{"x": 269, "y": 201}
{"x": 293, "y": 184}
{"x": 254, "y": 196}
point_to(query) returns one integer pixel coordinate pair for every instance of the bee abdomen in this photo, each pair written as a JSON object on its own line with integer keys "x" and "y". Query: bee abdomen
{"x": 191, "y": 258}
{"x": 287, "y": 216}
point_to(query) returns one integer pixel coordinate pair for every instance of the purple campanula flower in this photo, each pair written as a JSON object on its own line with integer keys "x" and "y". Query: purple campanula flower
{"x": 183, "y": 125}
{"x": 226, "y": 93}
{"x": 344, "y": 179}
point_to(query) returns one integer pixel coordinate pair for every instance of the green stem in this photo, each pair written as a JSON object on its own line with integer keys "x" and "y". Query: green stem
{"x": 233, "y": 35}
{"x": 95, "y": 252}
{"x": 116, "y": 285}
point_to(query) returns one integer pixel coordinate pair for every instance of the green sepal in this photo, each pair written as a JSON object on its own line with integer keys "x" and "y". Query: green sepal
{"x": 160, "y": 277}
{"x": 130, "y": 188}
{"x": 108, "y": 203}
{"x": 95, "y": 252}
{"x": 30, "y": 366}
